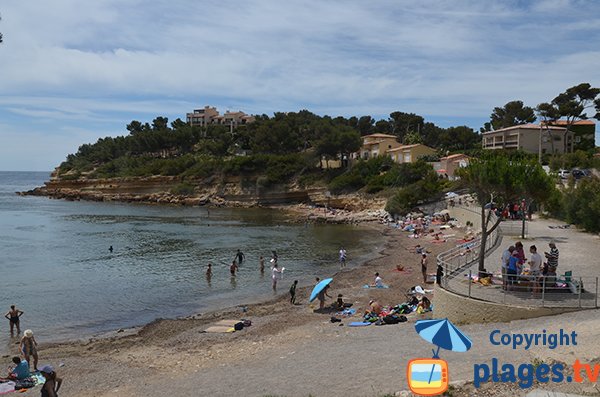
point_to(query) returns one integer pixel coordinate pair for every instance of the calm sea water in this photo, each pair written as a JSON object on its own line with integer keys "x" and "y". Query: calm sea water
{"x": 55, "y": 263}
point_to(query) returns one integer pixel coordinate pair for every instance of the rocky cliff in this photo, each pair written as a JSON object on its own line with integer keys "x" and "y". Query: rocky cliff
{"x": 233, "y": 191}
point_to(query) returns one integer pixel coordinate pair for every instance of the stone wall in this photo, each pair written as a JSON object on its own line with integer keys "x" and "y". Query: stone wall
{"x": 463, "y": 310}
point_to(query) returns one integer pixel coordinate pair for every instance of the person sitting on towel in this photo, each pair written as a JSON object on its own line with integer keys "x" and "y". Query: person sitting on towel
{"x": 375, "y": 307}
{"x": 340, "y": 304}
{"x": 378, "y": 281}
{"x": 21, "y": 371}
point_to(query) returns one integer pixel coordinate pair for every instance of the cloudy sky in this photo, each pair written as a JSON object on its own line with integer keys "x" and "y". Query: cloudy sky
{"x": 74, "y": 71}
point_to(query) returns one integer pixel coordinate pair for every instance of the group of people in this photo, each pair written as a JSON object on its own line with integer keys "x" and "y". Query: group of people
{"x": 276, "y": 271}
{"x": 28, "y": 349}
{"x": 514, "y": 261}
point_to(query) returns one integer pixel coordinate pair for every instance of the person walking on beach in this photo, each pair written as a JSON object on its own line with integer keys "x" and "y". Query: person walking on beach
{"x": 13, "y": 318}
{"x": 52, "y": 384}
{"x": 233, "y": 268}
{"x": 424, "y": 267}
{"x": 28, "y": 348}
{"x": 261, "y": 265}
{"x": 240, "y": 256}
{"x": 342, "y": 258}
{"x": 293, "y": 292}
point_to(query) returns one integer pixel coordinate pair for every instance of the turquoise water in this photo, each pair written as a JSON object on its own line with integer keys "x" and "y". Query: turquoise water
{"x": 55, "y": 263}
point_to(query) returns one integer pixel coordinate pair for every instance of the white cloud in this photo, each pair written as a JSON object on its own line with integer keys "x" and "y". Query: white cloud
{"x": 109, "y": 61}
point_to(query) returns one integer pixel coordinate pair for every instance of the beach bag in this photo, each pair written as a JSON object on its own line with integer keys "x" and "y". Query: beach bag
{"x": 391, "y": 320}
{"x": 239, "y": 326}
{"x": 402, "y": 319}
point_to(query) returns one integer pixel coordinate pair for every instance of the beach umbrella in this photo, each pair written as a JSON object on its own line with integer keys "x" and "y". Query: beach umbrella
{"x": 443, "y": 334}
{"x": 319, "y": 287}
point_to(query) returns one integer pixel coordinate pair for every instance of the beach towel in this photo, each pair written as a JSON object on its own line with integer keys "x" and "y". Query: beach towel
{"x": 226, "y": 323}
{"x": 7, "y": 387}
{"x": 219, "y": 330}
{"x": 346, "y": 313}
{"x": 358, "y": 324}
{"x": 369, "y": 286}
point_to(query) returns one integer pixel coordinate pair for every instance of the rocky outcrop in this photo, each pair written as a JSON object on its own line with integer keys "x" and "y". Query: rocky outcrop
{"x": 315, "y": 204}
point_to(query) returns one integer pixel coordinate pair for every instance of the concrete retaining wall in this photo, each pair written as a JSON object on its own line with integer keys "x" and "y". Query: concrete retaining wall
{"x": 472, "y": 214}
{"x": 463, "y": 310}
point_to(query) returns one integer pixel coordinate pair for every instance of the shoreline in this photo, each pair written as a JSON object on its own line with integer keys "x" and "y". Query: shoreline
{"x": 102, "y": 363}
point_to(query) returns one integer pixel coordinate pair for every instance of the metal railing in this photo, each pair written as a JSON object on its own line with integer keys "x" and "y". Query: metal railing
{"x": 461, "y": 276}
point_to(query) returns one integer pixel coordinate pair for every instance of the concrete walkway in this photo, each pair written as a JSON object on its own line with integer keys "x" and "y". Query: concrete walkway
{"x": 579, "y": 253}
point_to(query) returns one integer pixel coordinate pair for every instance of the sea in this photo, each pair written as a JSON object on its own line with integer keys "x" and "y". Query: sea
{"x": 56, "y": 266}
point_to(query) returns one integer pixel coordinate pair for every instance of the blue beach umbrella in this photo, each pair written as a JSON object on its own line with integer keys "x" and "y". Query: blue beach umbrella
{"x": 444, "y": 334}
{"x": 319, "y": 287}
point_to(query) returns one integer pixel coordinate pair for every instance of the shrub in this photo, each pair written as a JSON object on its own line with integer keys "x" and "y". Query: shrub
{"x": 183, "y": 189}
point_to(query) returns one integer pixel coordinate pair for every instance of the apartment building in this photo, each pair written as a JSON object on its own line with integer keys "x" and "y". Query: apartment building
{"x": 531, "y": 138}
{"x": 210, "y": 116}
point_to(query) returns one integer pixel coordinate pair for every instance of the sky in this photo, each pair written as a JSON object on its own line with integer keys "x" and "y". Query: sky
{"x": 72, "y": 72}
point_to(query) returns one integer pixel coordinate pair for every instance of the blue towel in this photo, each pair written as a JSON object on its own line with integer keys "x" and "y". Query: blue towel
{"x": 358, "y": 324}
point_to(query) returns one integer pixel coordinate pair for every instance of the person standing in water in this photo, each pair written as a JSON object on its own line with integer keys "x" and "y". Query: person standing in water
{"x": 261, "y": 265}
{"x": 342, "y": 258}
{"x": 276, "y": 274}
{"x": 209, "y": 270}
{"x": 13, "y": 318}
{"x": 240, "y": 256}
{"x": 233, "y": 268}
{"x": 110, "y": 249}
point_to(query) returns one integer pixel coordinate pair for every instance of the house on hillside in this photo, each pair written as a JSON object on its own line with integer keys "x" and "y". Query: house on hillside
{"x": 210, "y": 116}
{"x": 410, "y": 153}
{"x": 584, "y": 133}
{"x": 376, "y": 145}
{"x": 531, "y": 138}
{"x": 448, "y": 165}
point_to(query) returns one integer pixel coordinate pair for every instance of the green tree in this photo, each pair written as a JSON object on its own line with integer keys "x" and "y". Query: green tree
{"x": 365, "y": 125}
{"x": 499, "y": 180}
{"x": 404, "y": 123}
{"x": 511, "y": 114}
{"x": 571, "y": 104}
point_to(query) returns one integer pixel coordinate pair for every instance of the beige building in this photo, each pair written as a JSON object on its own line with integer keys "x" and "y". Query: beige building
{"x": 377, "y": 145}
{"x": 530, "y": 138}
{"x": 448, "y": 165}
{"x": 410, "y": 153}
{"x": 210, "y": 115}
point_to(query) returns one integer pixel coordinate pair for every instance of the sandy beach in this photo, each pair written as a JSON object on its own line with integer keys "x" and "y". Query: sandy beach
{"x": 176, "y": 351}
